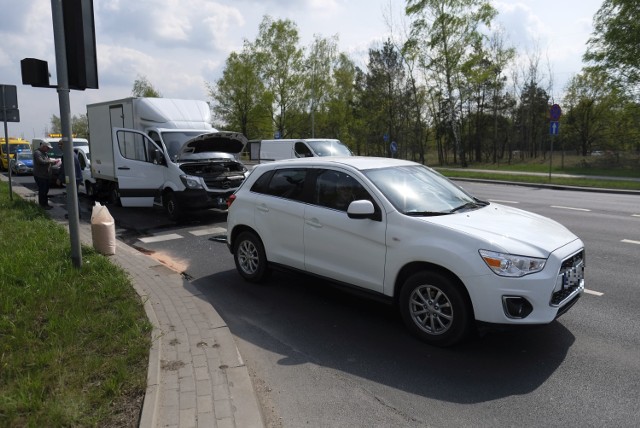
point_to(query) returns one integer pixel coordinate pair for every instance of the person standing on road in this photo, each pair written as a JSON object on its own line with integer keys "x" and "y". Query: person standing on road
{"x": 42, "y": 173}
{"x": 76, "y": 163}
{"x": 61, "y": 179}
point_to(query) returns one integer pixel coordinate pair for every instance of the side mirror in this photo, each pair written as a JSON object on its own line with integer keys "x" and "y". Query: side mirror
{"x": 362, "y": 209}
{"x": 158, "y": 158}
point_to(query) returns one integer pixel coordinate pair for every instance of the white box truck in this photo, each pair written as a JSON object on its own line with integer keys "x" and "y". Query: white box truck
{"x": 148, "y": 151}
{"x": 273, "y": 150}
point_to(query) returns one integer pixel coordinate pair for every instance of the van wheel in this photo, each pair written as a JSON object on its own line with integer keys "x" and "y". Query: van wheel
{"x": 250, "y": 257}
{"x": 435, "y": 309}
{"x": 113, "y": 197}
{"x": 89, "y": 189}
{"x": 171, "y": 206}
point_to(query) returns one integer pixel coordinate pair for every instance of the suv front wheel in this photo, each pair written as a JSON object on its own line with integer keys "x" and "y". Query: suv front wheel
{"x": 435, "y": 309}
{"x": 250, "y": 257}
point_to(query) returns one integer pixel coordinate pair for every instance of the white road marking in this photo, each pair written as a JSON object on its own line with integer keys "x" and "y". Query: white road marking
{"x": 629, "y": 241}
{"x": 635, "y": 215}
{"x": 503, "y": 202}
{"x": 209, "y": 231}
{"x": 593, "y": 293}
{"x": 160, "y": 238}
{"x": 569, "y": 208}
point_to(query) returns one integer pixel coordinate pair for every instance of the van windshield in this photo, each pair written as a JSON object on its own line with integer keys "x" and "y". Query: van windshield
{"x": 174, "y": 140}
{"x": 329, "y": 148}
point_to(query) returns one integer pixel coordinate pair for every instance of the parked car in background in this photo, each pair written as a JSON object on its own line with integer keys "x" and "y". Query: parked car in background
{"x": 401, "y": 231}
{"x": 22, "y": 162}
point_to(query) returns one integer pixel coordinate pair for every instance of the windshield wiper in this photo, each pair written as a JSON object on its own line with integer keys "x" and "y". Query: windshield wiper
{"x": 425, "y": 213}
{"x": 467, "y": 206}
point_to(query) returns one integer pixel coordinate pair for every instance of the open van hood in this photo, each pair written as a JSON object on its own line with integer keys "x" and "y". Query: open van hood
{"x": 214, "y": 142}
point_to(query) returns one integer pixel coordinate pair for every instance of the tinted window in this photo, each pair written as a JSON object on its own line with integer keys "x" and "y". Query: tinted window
{"x": 335, "y": 189}
{"x": 283, "y": 183}
{"x": 302, "y": 150}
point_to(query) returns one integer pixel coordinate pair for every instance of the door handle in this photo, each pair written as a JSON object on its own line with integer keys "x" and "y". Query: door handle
{"x": 262, "y": 208}
{"x": 124, "y": 167}
{"x": 313, "y": 222}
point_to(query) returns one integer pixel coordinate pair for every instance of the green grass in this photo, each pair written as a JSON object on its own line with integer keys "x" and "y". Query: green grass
{"x": 590, "y": 169}
{"x": 577, "y": 182}
{"x": 74, "y": 342}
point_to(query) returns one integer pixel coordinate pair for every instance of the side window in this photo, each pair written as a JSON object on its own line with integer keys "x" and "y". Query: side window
{"x": 283, "y": 183}
{"x": 336, "y": 190}
{"x": 135, "y": 146}
{"x": 302, "y": 150}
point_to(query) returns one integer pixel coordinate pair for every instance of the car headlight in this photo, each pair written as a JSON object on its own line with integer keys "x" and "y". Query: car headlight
{"x": 191, "y": 182}
{"x": 511, "y": 265}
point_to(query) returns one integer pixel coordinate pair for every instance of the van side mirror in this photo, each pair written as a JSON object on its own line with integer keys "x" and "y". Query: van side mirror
{"x": 158, "y": 158}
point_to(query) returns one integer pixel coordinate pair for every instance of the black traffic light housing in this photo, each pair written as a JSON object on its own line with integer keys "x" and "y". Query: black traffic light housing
{"x": 80, "y": 46}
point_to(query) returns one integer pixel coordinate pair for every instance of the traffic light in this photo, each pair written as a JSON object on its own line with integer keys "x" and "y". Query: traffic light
{"x": 80, "y": 44}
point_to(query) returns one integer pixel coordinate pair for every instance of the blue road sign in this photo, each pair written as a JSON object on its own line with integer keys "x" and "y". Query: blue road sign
{"x": 555, "y": 112}
{"x": 554, "y": 128}
{"x": 393, "y": 147}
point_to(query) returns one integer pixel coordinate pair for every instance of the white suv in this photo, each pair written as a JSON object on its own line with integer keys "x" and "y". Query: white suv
{"x": 401, "y": 230}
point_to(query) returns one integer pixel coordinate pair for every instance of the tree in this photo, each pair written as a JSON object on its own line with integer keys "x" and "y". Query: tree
{"x": 591, "y": 108}
{"x": 614, "y": 47}
{"x": 445, "y": 29}
{"x": 239, "y": 96}
{"x": 143, "y": 88}
{"x": 79, "y": 126}
{"x": 282, "y": 70}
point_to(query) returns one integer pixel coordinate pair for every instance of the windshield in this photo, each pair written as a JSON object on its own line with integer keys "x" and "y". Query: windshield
{"x": 329, "y": 148}
{"x": 24, "y": 156}
{"x": 418, "y": 190}
{"x": 13, "y": 148}
{"x": 174, "y": 140}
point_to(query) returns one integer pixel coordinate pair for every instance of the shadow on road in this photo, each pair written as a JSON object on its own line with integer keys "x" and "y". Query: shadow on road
{"x": 304, "y": 320}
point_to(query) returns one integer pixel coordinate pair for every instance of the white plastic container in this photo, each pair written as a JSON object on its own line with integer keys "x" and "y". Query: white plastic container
{"x": 103, "y": 230}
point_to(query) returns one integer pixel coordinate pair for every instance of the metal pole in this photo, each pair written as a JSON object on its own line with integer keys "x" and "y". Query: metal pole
{"x": 67, "y": 137}
{"x": 6, "y": 141}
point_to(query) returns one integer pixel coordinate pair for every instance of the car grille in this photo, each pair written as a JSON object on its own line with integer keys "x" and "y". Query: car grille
{"x": 571, "y": 276}
{"x": 222, "y": 182}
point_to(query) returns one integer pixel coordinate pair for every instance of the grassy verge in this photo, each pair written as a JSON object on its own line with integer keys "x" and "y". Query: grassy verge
{"x": 578, "y": 182}
{"x": 74, "y": 343}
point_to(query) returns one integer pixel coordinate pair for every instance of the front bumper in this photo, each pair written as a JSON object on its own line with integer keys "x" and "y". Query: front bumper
{"x": 538, "y": 298}
{"x": 195, "y": 199}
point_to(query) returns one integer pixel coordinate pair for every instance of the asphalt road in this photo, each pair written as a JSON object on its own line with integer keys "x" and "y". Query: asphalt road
{"x": 320, "y": 357}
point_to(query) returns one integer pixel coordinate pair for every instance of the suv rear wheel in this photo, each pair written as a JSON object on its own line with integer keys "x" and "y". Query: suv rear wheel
{"x": 435, "y": 309}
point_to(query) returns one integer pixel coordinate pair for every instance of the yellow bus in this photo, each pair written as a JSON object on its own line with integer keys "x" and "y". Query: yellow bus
{"x": 15, "y": 144}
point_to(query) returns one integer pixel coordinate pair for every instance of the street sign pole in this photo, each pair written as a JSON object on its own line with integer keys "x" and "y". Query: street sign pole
{"x": 67, "y": 137}
{"x": 6, "y": 139}
{"x": 554, "y": 128}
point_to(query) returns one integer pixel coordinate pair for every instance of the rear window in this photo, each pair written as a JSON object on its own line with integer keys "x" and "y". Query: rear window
{"x": 283, "y": 183}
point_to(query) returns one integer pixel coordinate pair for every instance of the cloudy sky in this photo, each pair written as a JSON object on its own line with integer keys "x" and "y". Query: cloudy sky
{"x": 180, "y": 45}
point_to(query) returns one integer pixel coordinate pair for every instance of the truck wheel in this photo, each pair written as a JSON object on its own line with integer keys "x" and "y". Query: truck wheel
{"x": 435, "y": 309}
{"x": 171, "y": 206}
{"x": 114, "y": 196}
{"x": 89, "y": 189}
{"x": 250, "y": 257}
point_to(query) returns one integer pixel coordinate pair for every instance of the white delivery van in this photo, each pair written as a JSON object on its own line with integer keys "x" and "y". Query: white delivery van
{"x": 148, "y": 151}
{"x": 272, "y": 150}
